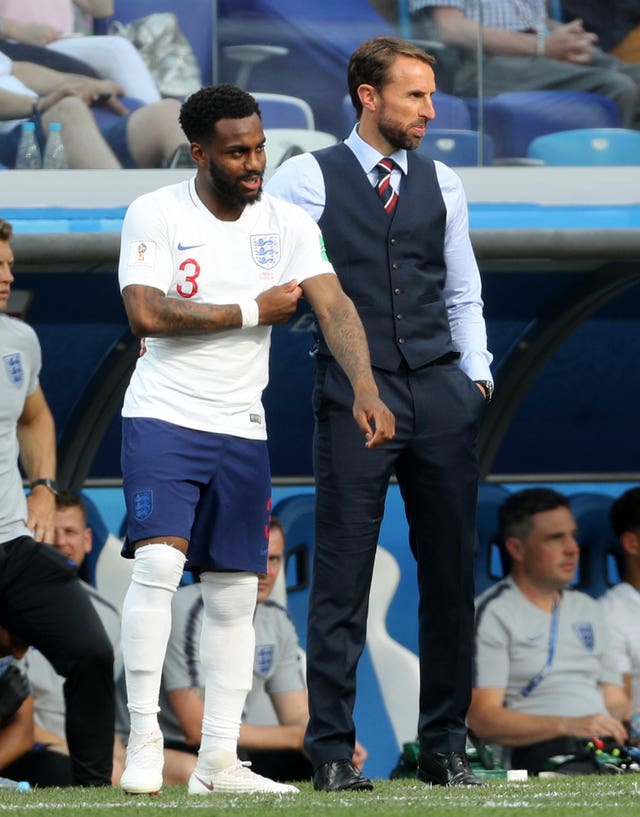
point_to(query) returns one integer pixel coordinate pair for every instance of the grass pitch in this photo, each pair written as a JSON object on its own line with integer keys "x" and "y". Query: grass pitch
{"x": 617, "y": 796}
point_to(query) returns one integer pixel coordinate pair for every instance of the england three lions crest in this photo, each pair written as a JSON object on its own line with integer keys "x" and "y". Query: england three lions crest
{"x": 265, "y": 250}
{"x": 13, "y": 368}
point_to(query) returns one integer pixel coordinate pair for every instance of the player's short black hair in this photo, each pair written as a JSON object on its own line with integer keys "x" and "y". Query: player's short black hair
{"x": 200, "y": 111}
{"x": 6, "y": 230}
{"x": 625, "y": 512}
{"x": 516, "y": 511}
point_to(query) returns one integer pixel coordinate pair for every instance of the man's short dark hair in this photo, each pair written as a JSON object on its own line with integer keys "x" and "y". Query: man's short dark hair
{"x": 275, "y": 524}
{"x": 516, "y": 511}
{"x": 69, "y": 499}
{"x": 6, "y": 230}
{"x": 625, "y": 512}
{"x": 370, "y": 63}
{"x": 201, "y": 111}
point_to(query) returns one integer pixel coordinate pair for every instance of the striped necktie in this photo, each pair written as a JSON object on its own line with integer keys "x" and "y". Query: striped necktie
{"x": 387, "y": 194}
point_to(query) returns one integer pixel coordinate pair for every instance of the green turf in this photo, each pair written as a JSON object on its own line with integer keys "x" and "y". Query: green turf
{"x": 586, "y": 796}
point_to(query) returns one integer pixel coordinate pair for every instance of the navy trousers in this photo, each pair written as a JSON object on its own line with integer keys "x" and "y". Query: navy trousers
{"x": 43, "y": 602}
{"x": 434, "y": 457}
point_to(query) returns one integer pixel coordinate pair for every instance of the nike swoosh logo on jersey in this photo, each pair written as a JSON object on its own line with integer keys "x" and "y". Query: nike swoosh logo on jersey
{"x": 182, "y": 246}
{"x": 208, "y": 786}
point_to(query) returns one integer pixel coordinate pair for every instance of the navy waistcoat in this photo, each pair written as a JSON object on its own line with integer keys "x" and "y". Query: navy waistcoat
{"x": 392, "y": 267}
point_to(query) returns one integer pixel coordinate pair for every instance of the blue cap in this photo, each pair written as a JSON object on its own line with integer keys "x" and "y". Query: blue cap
{"x": 23, "y": 785}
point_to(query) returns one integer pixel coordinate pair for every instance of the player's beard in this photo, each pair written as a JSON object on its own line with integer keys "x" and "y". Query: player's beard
{"x": 230, "y": 192}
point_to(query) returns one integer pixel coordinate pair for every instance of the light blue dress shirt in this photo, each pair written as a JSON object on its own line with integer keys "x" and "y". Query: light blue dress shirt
{"x": 299, "y": 180}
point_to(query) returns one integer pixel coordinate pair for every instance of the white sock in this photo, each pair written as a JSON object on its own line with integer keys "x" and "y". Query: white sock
{"x": 146, "y": 624}
{"x": 227, "y": 651}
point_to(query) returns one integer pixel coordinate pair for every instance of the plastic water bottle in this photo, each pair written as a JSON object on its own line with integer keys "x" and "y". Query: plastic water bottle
{"x": 28, "y": 155}
{"x": 55, "y": 156}
{"x": 20, "y": 785}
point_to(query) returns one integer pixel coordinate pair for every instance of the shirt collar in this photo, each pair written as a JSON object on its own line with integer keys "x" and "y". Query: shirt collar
{"x": 369, "y": 157}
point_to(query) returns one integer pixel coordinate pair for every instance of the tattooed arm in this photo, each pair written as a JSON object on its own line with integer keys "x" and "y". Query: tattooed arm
{"x": 152, "y": 314}
{"x": 345, "y": 336}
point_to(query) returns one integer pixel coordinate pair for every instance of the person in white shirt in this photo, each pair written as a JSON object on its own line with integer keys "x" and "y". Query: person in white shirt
{"x": 206, "y": 267}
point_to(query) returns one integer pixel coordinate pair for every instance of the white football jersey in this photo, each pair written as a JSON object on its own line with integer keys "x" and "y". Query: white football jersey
{"x": 171, "y": 241}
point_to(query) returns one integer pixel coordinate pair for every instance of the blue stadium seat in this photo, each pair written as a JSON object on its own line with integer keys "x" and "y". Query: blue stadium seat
{"x": 514, "y": 119}
{"x": 100, "y": 536}
{"x": 600, "y": 551}
{"x": 283, "y": 111}
{"x": 489, "y": 564}
{"x": 457, "y": 148}
{"x": 375, "y": 729}
{"x": 588, "y": 146}
{"x": 319, "y": 39}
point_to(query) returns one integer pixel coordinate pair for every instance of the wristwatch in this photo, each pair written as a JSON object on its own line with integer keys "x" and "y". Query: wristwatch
{"x": 487, "y": 385}
{"x": 48, "y": 483}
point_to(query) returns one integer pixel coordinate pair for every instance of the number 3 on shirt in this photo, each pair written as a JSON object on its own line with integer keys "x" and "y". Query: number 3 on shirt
{"x": 189, "y": 287}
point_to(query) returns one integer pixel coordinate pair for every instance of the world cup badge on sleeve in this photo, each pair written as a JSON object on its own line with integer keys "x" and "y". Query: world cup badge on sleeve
{"x": 13, "y": 368}
{"x": 265, "y": 250}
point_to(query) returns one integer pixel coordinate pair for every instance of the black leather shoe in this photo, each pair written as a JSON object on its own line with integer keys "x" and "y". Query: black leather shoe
{"x": 340, "y": 775}
{"x": 447, "y": 769}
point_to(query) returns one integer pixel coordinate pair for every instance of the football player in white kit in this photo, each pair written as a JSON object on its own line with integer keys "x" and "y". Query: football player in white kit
{"x": 206, "y": 267}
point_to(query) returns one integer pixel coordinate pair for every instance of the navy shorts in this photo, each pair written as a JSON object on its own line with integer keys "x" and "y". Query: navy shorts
{"x": 214, "y": 490}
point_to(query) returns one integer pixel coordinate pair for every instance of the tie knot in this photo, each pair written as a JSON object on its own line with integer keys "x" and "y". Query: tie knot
{"x": 385, "y": 166}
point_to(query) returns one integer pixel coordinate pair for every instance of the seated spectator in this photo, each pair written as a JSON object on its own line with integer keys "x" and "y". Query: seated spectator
{"x": 21, "y": 757}
{"x": 274, "y": 748}
{"x": 525, "y": 50}
{"x": 73, "y": 540}
{"x": 621, "y": 604}
{"x": 545, "y": 676}
{"x": 616, "y": 22}
{"x": 50, "y": 24}
{"x": 146, "y": 137}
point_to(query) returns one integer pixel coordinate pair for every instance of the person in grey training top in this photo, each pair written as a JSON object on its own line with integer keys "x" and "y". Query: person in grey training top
{"x": 41, "y": 600}
{"x": 545, "y": 676}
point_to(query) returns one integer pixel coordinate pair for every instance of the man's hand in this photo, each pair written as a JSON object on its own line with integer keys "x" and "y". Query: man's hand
{"x": 14, "y": 688}
{"x": 374, "y": 419}
{"x": 571, "y": 43}
{"x": 360, "y": 755}
{"x": 596, "y": 725}
{"x": 41, "y": 505}
{"x": 278, "y": 304}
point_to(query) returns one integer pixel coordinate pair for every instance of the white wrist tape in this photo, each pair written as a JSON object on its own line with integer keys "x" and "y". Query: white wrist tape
{"x": 250, "y": 314}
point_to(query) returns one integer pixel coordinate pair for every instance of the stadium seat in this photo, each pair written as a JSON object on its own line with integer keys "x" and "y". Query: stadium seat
{"x": 396, "y": 667}
{"x": 379, "y": 718}
{"x": 488, "y": 563}
{"x": 457, "y": 148}
{"x": 104, "y": 567}
{"x": 588, "y": 146}
{"x": 600, "y": 551}
{"x": 297, "y": 517}
{"x": 283, "y": 143}
{"x": 514, "y": 119}
{"x": 282, "y": 111}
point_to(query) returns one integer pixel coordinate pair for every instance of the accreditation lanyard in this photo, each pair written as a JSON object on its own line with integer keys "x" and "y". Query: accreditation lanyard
{"x": 528, "y": 688}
